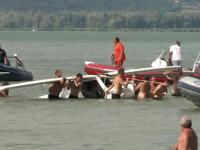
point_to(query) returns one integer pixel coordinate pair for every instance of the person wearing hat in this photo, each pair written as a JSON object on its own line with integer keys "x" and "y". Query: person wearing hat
{"x": 188, "y": 139}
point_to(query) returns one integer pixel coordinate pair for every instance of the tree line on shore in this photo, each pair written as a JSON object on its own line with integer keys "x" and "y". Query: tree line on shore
{"x": 102, "y": 20}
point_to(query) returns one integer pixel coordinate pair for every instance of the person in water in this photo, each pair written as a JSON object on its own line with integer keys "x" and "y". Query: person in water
{"x": 188, "y": 139}
{"x": 144, "y": 89}
{"x": 4, "y": 93}
{"x": 118, "y": 53}
{"x": 117, "y": 84}
{"x": 75, "y": 86}
{"x": 3, "y": 57}
{"x": 135, "y": 83}
{"x": 161, "y": 90}
{"x": 153, "y": 83}
{"x": 57, "y": 87}
{"x": 175, "y": 91}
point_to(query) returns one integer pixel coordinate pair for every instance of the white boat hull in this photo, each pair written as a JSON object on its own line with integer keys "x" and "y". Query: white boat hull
{"x": 190, "y": 88}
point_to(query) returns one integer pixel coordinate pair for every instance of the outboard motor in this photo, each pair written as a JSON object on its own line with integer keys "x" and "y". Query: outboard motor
{"x": 160, "y": 61}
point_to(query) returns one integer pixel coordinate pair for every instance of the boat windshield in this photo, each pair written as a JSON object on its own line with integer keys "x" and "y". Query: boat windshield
{"x": 15, "y": 62}
{"x": 196, "y": 66}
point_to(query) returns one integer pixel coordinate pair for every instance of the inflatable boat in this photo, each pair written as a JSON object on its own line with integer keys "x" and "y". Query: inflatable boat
{"x": 190, "y": 88}
{"x": 95, "y": 69}
{"x": 16, "y": 72}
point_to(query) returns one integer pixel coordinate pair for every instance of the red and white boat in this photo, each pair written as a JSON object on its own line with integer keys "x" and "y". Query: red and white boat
{"x": 95, "y": 69}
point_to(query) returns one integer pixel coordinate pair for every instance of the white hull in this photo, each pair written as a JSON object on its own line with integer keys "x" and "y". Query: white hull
{"x": 190, "y": 88}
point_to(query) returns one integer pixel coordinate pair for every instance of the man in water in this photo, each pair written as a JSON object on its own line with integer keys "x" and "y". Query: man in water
{"x": 75, "y": 86}
{"x": 144, "y": 89}
{"x": 153, "y": 84}
{"x": 57, "y": 87}
{"x": 188, "y": 139}
{"x": 161, "y": 90}
{"x": 118, "y": 54}
{"x": 175, "y": 54}
{"x": 3, "y": 57}
{"x": 117, "y": 84}
{"x": 4, "y": 93}
{"x": 175, "y": 91}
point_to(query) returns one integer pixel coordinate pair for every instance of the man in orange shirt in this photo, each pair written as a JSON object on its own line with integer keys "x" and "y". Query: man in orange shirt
{"x": 119, "y": 54}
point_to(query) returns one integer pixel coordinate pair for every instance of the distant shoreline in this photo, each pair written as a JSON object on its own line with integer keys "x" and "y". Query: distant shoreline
{"x": 105, "y": 30}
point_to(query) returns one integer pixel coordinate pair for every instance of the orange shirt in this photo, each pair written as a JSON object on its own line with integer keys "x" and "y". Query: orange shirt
{"x": 118, "y": 50}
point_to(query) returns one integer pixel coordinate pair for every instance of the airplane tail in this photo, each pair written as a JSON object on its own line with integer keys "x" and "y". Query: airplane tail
{"x": 196, "y": 65}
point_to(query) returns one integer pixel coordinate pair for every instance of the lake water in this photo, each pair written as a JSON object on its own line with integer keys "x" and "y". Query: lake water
{"x": 28, "y": 123}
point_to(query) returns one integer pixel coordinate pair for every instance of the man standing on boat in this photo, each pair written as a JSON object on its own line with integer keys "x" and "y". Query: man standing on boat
{"x": 3, "y": 57}
{"x": 175, "y": 54}
{"x": 118, "y": 53}
{"x": 188, "y": 139}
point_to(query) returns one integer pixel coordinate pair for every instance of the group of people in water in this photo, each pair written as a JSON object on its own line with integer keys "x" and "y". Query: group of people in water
{"x": 73, "y": 85}
{"x": 143, "y": 89}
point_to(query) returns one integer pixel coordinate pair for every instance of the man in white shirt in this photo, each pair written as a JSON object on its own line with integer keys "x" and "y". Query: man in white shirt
{"x": 175, "y": 54}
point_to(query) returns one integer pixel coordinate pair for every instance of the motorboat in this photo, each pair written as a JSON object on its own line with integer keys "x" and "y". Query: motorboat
{"x": 94, "y": 69}
{"x": 16, "y": 72}
{"x": 190, "y": 88}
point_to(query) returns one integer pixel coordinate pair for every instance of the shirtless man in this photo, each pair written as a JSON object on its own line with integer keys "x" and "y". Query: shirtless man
{"x": 4, "y": 93}
{"x": 75, "y": 86}
{"x": 57, "y": 87}
{"x": 161, "y": 90}
{"x": 117, "y": 84}
{"x": 153, "y": 84}
{"x": 188, "y": 139}
{"x": 144, "y": 89}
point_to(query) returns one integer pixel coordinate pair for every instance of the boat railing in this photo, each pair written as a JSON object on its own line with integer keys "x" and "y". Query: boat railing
{"x": 196, "y": 66}
{"x": 15, "y": 61}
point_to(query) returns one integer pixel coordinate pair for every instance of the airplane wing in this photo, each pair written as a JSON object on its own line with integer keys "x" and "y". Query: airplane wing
{"x": 141, "y": 70}
{"x": 45, "y": 81}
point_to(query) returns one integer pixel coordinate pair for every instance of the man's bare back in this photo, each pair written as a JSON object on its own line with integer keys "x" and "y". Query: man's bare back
{"x": 161, "y": 90}
{"x": 144, "y": 90}
{"x": 190, "y": 137}
{"x": 117, "y": 85}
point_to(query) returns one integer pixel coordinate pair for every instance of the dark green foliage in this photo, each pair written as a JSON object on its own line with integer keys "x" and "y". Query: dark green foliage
{"x": 86, "y": 5}
{"x": 103, "y": 20}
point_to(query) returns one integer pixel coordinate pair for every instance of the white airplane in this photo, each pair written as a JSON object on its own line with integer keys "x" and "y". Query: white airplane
{"x": 94, "y": 85}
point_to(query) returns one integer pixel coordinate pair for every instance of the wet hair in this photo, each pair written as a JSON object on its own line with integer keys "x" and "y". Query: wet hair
{"x": 146, "y": 77}
{"x": 79, "y": 75}
{"x": 120, "y": 70}
{"x": 168, "y": 81}
{"x": 117, "y": 39}
{"x": 178, "y": 43}
{"x": 186, "y": 122}
{"x": 57, "y": 71}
